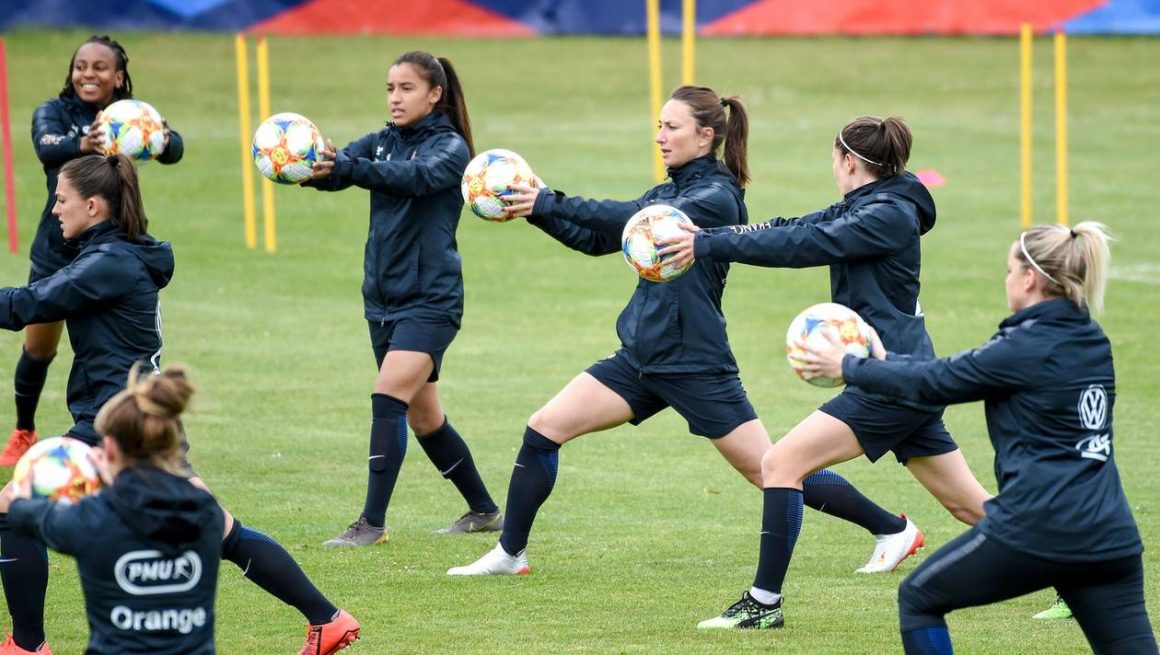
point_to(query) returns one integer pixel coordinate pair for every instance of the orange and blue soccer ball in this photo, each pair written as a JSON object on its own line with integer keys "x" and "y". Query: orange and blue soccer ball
{"x": 810, "y": 325}
{"x": 639, "y": 241}
{"x": 60, "y": 468}
{"x": 285, "y": 147}
{"x": 488, "y": 177}
{"x": 132, "y": 128}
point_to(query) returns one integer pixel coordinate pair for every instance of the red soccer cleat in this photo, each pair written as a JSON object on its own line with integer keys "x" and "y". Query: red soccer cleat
{"x": 18, "y": 444}
{"x": 9, "y": 647}
{"x": 329, "y": 638}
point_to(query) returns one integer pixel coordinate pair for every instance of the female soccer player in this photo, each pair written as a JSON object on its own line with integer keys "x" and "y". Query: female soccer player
{"x": 870, "y": 240}
{"x": 413, "y": 284}
{"x": 667, "y": 358}
{"x": 1048, "y": 385}
{"x": 108, "y": 296}
{"x": 63, "y": 129}
{"x": 148, "y": 516}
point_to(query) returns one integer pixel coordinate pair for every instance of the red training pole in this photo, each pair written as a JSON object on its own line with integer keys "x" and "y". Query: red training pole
{"x": 6, "y": 130}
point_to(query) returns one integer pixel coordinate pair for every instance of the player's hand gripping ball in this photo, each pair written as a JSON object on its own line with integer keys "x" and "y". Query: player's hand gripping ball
{"x": 810, "y": 327}
{"x": 132, "y": 128}
{"x": 488, "y": 176}
{"x": 639, "y": 241}
{"x": 286, "y": 146}
{"x": 60, "y": 468}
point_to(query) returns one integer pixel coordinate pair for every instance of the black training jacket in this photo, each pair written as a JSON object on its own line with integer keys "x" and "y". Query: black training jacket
{"x": 870, "y": 241}
{"x": 1048, "y": 386}
{"x": 147, "y": 549}
{"x": 672, "y": 327}
{"x": 411, "y": 266}
{"x": 57, "y": 128}
{"x": 108, "y": 297}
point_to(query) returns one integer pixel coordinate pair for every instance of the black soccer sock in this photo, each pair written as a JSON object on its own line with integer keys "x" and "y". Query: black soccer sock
{"x": 267, "y": 564}
{"x": 29, "y": 383}
{"x": 781, "y": 521}
{"x": 832, "y": 494}
{"x": 388, "y": 447}
{"x": 450, "y": 454}
{"x": 24, "y": 573}
{"x": 533, "y": 477}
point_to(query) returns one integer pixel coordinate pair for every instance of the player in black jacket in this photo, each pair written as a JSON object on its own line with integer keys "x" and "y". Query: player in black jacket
{"x": 149, "y": 545}
{"x": 63, "y": 129}
{"x": 674, "y": 351}
{"x": 109, "y": 297}
{"x": 412, "y": 284}
{"x": 1048, "y": 385}
{"x": 870, "y": 241}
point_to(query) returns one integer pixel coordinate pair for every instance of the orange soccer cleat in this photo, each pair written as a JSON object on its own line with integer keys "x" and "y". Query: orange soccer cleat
{"x": 329, "y": 638}
{"x": 18, "y": 444}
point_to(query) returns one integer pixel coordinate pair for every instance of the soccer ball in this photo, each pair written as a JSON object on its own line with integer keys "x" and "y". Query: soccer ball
{"x": 60, "y": 468}
{"x": 133, "y": 128}
{"x": 639, "y": 241}
{"x": 488, "y": 176}
{"x": 285, "y": 148}
{"x": 809, "y": 326}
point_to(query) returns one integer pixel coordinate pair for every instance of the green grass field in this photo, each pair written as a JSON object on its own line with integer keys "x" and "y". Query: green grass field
{"x": 648, "y": 530}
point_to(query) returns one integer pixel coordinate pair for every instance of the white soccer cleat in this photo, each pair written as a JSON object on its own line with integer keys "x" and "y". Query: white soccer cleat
{"x": 495, "y": 562}
{"x": 892, "y": 549}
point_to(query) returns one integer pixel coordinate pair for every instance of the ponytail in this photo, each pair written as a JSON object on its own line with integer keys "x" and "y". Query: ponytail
{"x": 708, "y": 109}
{"x": 1073, "y": 263}
{"x": 881, "y": 145}
{"x": 113, "y": 178}
{"x": 737, "y": 139}
{"x": 453, "y": 104}
{"x": 438, "y": 71}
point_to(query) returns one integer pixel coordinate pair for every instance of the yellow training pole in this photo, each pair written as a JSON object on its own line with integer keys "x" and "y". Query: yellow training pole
{"x": 264, "y": 110}
{"x": 688, "y": 40}
{"x": 1025, "y": 37}
{"x": 245, "y": 135}
{"x": 653, "y": 12}
{"x": 1061, "y": 128}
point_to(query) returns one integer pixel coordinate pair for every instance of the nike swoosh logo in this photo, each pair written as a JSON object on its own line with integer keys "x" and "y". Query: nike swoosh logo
{"x": 377, "y": 457}
{"x": 6, "y": 560}
{"x": 451, "y": 468}
{"x": 518, "y": 465}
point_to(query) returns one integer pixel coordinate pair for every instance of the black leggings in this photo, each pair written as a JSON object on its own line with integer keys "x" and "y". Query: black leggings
{"x": 1107, "y": 598}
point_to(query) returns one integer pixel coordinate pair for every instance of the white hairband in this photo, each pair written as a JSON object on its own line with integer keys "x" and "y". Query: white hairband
{"x": 1027, "y": 256}
{"x": 851, "y": 151}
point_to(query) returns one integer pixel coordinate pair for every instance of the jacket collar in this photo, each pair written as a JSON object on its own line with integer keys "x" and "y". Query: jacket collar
{"x": 695, "y": 169}
{"x": 1048, "y": 309}
{"x": 95, "y": 232}
{"x": 436, "y": 121}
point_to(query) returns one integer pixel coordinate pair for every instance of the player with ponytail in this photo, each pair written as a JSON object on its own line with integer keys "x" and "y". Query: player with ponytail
{"x": 148, "y": 514}
{"x": 63, "y": 129}
{"x": 109, "y": 298}
{"x": 1048, "y": 386}
{"x": 870, "y": 241}
{"x": 412, "y": 284}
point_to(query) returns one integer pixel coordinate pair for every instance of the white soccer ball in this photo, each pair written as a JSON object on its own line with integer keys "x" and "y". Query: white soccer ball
{"x": 133, "y": 128}
{"x": 488, "y": 177}
{"x": 639, "y": 241}
{"x": 286, "y": 146}
{"x": 810, "y": 326}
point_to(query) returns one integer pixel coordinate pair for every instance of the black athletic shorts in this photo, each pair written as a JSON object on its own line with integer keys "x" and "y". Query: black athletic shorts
{"x": 714, "y": 404}
{"x": 415, "y": 335}
{"x": 882, "y": 426}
